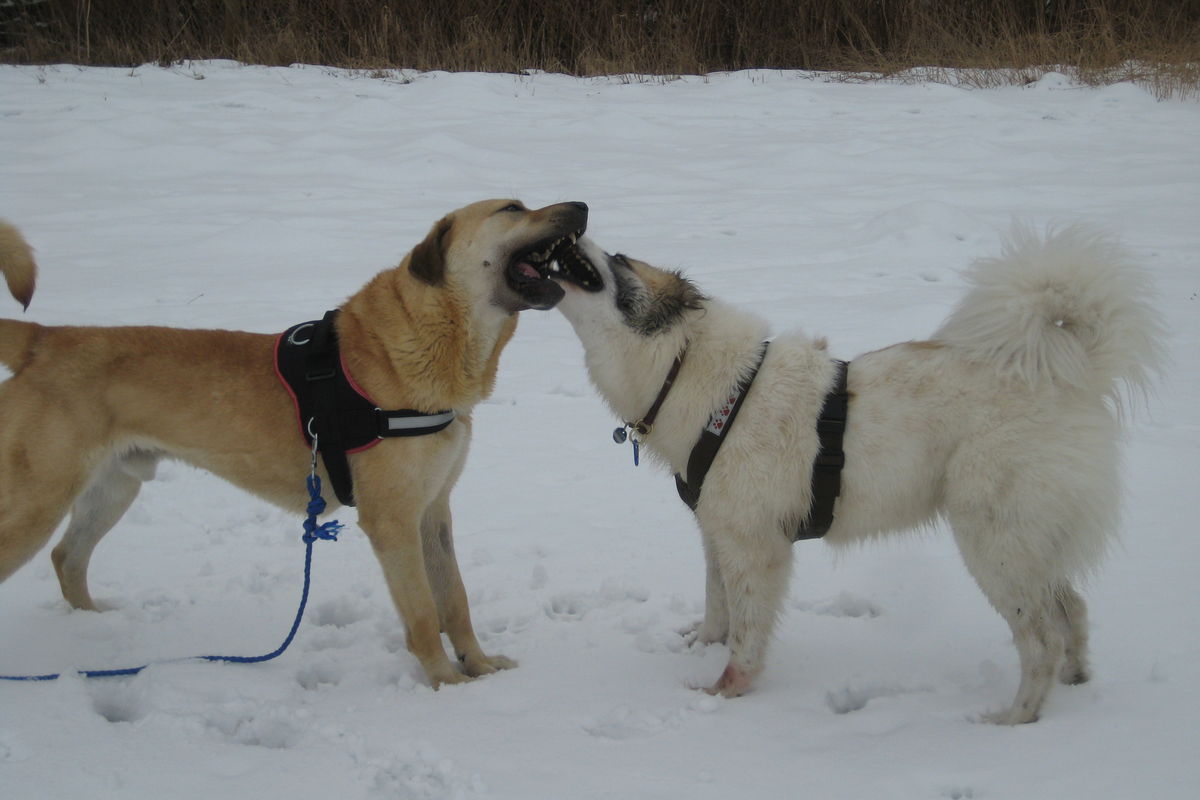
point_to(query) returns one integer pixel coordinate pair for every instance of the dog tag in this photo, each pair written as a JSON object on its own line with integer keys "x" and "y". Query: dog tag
{"x": 619, "y": 435}
{"x": 636, "y": 433}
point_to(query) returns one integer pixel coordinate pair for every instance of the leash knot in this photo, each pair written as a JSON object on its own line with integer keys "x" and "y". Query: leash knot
{"x": 316, "y": 507}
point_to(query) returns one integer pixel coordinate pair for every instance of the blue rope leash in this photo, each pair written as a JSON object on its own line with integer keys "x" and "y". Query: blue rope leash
{"x": 312, "y": 532}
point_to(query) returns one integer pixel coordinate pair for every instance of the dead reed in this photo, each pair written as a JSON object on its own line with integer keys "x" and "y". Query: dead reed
{"x": 1153, "y": 41}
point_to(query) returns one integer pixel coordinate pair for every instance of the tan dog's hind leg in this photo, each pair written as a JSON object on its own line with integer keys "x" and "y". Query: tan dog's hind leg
{"x": 30, "y": 510}
{"x": 95, "y": 512}
{"x": 26, "y": 525}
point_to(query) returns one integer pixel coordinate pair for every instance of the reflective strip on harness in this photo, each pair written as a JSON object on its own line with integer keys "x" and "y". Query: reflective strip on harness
{"x": 409, "y": 423}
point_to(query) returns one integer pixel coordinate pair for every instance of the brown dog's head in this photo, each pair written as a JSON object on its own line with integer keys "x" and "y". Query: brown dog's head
{"x": 501, "y": 250}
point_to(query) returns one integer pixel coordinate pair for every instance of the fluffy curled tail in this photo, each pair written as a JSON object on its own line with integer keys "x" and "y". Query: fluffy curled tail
{"x": 20, "y": 272}
{"x": 1067, "y": 308}
{"x": 17, "y": 264}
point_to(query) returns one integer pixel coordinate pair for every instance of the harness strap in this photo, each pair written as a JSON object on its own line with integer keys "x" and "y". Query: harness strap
{"x": 320, "y": 371}
{"x": 827, "y": 469}
{"x": 332, "y": 408}
{"x": 711, "y": 439}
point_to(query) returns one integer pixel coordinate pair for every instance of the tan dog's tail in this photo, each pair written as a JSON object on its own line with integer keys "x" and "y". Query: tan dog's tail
{"x": 17, "y": 264}
{"x": 20, "y": 271}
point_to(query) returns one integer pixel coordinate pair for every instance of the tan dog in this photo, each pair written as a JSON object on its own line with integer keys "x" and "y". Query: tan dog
{"x": 89, "y": 411}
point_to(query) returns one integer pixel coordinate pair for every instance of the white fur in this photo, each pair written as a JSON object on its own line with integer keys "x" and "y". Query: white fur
{"x": 1003, "y": 425}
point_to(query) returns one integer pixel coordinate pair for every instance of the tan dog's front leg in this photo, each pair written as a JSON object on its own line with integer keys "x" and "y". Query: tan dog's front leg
{"x": 450, "y": 594}
{"x": 397, "y": 544}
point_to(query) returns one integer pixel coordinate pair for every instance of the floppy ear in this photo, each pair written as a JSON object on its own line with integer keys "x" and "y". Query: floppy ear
{"x": 428, "y": 260}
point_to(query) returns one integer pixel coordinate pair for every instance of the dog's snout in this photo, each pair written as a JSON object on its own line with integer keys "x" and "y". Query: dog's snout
{"x": 572, "y": 214}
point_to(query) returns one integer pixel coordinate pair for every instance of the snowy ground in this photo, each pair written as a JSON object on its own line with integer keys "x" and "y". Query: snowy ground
{"x": 215, "y": 195}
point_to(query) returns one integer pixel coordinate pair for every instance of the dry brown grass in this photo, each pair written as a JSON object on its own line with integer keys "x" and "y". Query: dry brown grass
{"x": 973, "y": 41}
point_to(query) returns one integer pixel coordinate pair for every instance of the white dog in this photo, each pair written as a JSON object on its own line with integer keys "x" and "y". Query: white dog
{"x": 1004, "y": 424}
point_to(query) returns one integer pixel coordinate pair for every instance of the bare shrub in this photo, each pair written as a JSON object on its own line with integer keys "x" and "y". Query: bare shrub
{"x": 1153, "y": 41}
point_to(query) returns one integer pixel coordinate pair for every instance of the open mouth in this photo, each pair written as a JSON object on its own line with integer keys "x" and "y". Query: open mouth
{"x": 529, "y": 271}
{"x": 532, "y": 270}
{"x": 570, "y": 264}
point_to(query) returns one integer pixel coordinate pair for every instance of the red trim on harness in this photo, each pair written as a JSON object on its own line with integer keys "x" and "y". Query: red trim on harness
{"x": 362, "y": 393}
{"x": 296, "y": 401}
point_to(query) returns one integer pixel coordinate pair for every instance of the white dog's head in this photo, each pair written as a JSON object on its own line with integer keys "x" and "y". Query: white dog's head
{"x": 618, "y": 294}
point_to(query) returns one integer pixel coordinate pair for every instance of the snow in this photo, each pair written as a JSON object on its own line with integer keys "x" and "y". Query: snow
{"x": 219, "y": 195}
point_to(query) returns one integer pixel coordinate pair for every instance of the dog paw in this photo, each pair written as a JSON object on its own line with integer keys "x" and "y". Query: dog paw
{"x": 449, "y": 678}
{"x": 734, "y": 682}
{"x": 486, "y": 665}
{"x": 88, "y": 604}
{"x": 1074, "y": 674}
{"x": 1011, "y": 716}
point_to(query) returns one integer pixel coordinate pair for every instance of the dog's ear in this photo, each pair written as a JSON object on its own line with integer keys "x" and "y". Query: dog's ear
{"x": 668, "y": 302}
{"x": 428, "y": 260}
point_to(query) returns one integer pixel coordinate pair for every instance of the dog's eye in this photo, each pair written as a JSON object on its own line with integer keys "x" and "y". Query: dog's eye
{"x": 513, "y": 207}
{"x": 621, "y": 260}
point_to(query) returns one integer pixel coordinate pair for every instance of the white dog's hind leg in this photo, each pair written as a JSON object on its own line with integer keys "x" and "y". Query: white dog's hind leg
{"x": 1040, "y": 647}
{"x": 94, "y": 513}
{"x": 1072, "y": 621}
{"x": 755, "y": 575}
{"x": 1025, "y": 596}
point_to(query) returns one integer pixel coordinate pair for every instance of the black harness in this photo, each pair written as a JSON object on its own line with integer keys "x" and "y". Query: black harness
{"x": 330, "y": 406}
{"x": 827, "y": 468}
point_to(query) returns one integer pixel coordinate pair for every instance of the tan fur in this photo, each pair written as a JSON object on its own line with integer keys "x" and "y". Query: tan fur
{"x": 89, "y": 411}
{"x": 19, "y": 268}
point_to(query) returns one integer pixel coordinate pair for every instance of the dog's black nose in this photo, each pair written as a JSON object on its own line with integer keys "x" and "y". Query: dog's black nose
{"x": 581, "y": 206}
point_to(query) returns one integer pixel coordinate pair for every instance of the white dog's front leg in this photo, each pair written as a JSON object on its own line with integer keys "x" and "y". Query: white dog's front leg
{"x": 715, "y": 625}
{"x": 755, "y": 567}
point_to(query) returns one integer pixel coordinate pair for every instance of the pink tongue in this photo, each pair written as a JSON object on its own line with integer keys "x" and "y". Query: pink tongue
{"x": 528, "y": 271}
